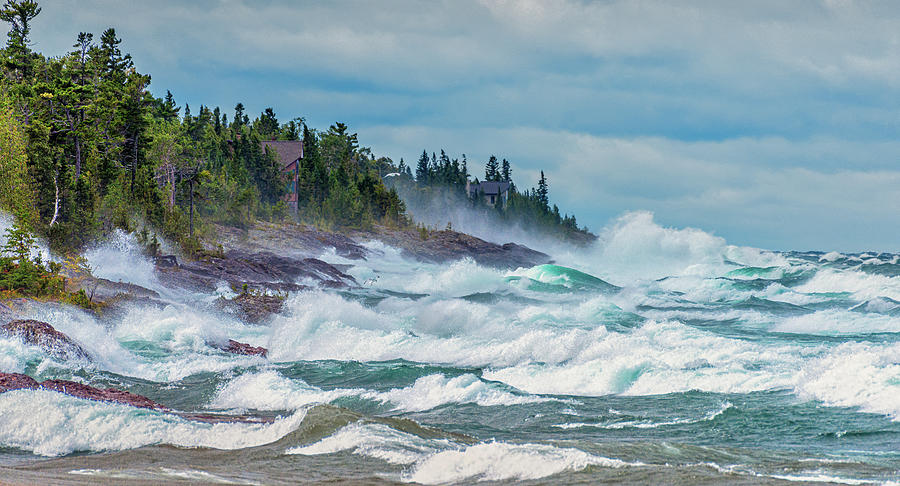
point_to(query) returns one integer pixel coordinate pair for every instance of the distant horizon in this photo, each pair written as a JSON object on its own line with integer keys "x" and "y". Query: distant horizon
{"x": 772, "y": 126}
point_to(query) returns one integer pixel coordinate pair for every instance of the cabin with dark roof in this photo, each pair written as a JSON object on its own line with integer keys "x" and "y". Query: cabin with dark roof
{"x": 288, "y": 153}
{"x": 492, "y": 193}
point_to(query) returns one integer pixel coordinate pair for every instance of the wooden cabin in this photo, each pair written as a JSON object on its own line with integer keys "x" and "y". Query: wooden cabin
{"x": 288, "y": 153}
{"x": 492, "y": 193}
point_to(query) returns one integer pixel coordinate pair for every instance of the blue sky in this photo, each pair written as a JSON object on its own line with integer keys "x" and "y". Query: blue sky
{"x": 770, "y": 123}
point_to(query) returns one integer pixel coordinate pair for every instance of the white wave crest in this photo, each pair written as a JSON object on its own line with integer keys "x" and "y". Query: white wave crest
{"x": 636, "y": 248}
{"x": 269, "y": 390}
{"x": 52, "y": 424}
{"x": 120, "y": 259}
{"x": 498, "y": 461}
{"x": 441, "y": 461}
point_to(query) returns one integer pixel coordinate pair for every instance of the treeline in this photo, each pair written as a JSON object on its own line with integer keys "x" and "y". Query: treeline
{"x": 440, "y": 178}
{"x": 85, "y": 148}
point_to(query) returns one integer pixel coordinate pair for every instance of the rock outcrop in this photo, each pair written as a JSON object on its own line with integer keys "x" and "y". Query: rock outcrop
{"x": 101, "y": 290}
{"x": 236, "y": 347}
{"x": 260, "y": 270}
{"x": 18, "y": 381}
{"x": 437, "y": 247}
{"x": 87, "y": 392}
{"x": 41, "y": 334}
{"x": 295, "y": 240}
{"x": 446, "y": 246}
{"x": 252, "y": 307}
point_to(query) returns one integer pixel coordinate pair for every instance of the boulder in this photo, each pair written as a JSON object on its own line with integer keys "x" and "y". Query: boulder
{"x": 252, "y": 307}
{"x": 447, "y": 246}
{"x": 296, "y": 240}
{"x": 88, "y": 392}
{"x": 236, "y": 347}
{"x": 17, "y": 381}
{"x": 41, "y": 334}
{"x": 167, "y": 261}
{"x": 264, "y": 270}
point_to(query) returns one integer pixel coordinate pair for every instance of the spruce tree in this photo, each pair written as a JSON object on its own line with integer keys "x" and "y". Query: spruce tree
{"x": 238, "y": 117}
{"x": 268, "y": 125}
{"x": 170, "y": 109}
{"x": 506, "y": 172}
{"x": 543, "y": 193}
{"x": 422, "y": 169}
{"x": 491, "y": 170}
{"x": 19, "y": 14}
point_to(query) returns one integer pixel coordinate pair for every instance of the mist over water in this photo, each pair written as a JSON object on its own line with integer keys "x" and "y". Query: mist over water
{"x": 657, "y": 355}
{"x": 444, "y": 207}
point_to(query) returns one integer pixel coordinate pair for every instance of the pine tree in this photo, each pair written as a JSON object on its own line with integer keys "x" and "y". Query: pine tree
{"x": 422, "y": 169}
{"x": 19, "y": 14}
{"x": 268, "y": 124}
{"x": 491, "y": 170}
{"x": 83, "y": 46}
{"x": 170, "y": 109}
{"x": 543, "y": 193}
{"x": 238, "y": 117}
{"x": 464, "y": 175}
{"x": 115, "y": 64}
{"x": 506, "y": 172}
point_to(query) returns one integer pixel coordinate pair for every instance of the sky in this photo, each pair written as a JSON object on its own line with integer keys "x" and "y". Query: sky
{"x": 772, "y": 124}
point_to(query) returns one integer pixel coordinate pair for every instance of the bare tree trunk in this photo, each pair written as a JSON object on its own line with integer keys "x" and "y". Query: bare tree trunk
{"x": 77, "y": 158}
{"x": 56, "y": 202}
{"x": 170, "y": 172}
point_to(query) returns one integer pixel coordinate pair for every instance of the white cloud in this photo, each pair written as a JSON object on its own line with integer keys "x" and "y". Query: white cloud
{"x": 770, "y": 122}
{"x": 844, "y": 204}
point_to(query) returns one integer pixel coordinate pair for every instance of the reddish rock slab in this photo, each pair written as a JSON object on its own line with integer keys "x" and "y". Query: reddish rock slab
{"x": 41, "y": 334}
{"x": 242, "y": 348}
{"x": 17, "y": 381}
{"x": 81, "y": 390}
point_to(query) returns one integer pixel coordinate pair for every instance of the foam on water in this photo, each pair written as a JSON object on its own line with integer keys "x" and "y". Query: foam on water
{"x": 161, "y": 474}
{"x": 635, "y": 248}
{"x": 693, "y": 313}
{"x": 269, "y": 390}
{"x": 837, "y": 322}
{"x": 860, "y": 375}
{"x": 432, "y": 391}
{"x": 120, "y": 259}
{"x": 52, "y": 424}
{"x": 179, "y": 334}
{"x": 374, "y": 440}
{"x": 440, "y": 461}
{"x": 498, "y": 461}
{"x": 548, "y": 349}
{"x": 648, "y": 423}
{"x": 862, "y": 286}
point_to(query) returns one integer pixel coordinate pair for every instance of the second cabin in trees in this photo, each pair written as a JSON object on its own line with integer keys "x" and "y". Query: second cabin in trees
{"x": 288, "y": 153}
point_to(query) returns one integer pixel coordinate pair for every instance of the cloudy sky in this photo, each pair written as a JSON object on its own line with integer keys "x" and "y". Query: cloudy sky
{"x": 770, "y": 123}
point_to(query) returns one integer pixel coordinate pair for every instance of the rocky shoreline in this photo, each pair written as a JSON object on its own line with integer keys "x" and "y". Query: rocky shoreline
{"x": 262, "y": 266}
{"x": 59, "y": 345}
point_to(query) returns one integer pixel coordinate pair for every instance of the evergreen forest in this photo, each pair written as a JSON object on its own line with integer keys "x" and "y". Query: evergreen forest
{"x": 86, "y": 148}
